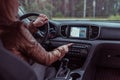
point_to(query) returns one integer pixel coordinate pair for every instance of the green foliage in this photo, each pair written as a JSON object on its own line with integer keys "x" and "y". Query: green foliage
{"x": 58, "y": 14}
{"x": 116, "y": 17}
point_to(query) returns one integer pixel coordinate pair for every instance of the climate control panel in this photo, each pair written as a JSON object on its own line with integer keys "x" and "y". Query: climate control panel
{"x": 79, "y": 50}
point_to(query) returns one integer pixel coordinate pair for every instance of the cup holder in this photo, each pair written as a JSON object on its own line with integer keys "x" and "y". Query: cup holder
{"x": 75, "y": 76}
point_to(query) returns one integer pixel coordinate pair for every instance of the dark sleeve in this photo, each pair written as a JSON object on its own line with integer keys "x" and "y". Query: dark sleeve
{"x": 36, "y": 51}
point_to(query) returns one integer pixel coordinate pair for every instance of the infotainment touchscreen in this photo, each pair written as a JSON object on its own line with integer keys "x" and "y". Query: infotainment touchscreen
{"x": 78, "y": 32}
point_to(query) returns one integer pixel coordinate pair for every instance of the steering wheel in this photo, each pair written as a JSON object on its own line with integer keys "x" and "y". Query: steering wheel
{"x": 42, "y": 33}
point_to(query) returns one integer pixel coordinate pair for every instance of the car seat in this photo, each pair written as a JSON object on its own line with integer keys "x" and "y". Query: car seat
{"x": 13, "y": 68}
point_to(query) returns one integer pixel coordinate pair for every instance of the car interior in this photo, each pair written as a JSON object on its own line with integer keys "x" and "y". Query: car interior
{"x": 95, "y": 54}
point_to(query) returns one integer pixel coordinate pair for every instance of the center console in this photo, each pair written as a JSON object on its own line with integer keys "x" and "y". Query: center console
{"x": 71, "y": 67}
{"x": 77, "y": 55}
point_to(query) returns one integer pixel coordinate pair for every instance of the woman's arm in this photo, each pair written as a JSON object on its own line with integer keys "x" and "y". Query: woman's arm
{"x": 31, "y": 27}
{"x": 37, "y": 52}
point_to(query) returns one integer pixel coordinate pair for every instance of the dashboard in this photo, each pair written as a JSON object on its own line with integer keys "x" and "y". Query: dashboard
{"x": 86, "y": 30}
{"x": 90, "y": 38}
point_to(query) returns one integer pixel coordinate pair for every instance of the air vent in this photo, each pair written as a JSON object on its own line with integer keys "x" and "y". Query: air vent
{"x": 94, "y": 32}
{"x": 64, "y": 31}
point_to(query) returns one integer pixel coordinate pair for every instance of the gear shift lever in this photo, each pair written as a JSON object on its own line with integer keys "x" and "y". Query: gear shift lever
{"x": 63, "y": 70}
{"x": 64, "y": 63}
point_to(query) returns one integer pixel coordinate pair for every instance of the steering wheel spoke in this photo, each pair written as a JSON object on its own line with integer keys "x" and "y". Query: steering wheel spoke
{"x": 41, "y": 33}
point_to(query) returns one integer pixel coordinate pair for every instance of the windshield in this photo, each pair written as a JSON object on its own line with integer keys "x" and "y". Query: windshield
{"x": 75, "y": 9}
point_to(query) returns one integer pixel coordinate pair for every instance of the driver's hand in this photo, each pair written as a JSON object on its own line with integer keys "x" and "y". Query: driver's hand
{"x": 64, "y": 49}
{"x": 40, "y": 21}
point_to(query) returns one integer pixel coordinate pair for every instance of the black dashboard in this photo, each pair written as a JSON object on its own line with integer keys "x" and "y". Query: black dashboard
{"x": 89, "y": 38}
{"x": 87, "y": 30}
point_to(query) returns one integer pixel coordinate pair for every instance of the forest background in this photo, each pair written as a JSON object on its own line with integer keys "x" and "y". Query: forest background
{"x": 92, "y": 9}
